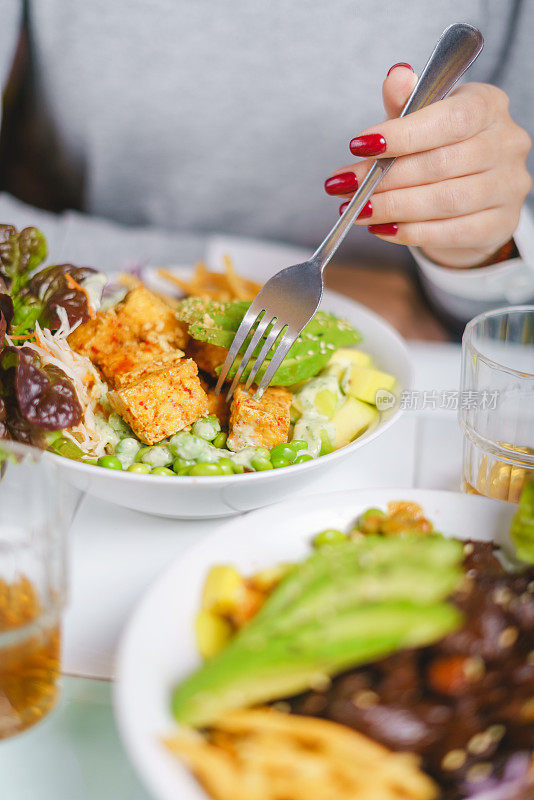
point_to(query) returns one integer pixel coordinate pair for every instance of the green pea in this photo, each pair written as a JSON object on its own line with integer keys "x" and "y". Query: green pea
{"x": 260, "y": 464}
{"x": 109, "y": 462}
{"x": 142, "y": 469}
{"x": 301, "y": 459}
{"x": 181, "y": 463}
{"x": 140, "y": 453}
{"x": 371, "y": 512}
{"x": 286, "y": 451}
{"x": 205, "y": 469}
{"x": 226, "y": 465}
{"x": 299, "y": 444}
{"x": 279, "y": 461}
{"x": 331, "y": 536}
{"x": 220, "y": 440}
{"x": 162, "y": 471}
{"x": 238, "y": 468}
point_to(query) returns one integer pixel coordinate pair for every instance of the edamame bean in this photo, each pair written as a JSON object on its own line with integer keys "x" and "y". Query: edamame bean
{"x": 301, "y": 459}
{"x": 226, "y": 465}
{"x": 92, "y": 461}
{"x": 141, "y": 452}
{"x": 109, "y": 462}
{"x": 279, "y": 461}
{"x": 261, "y": 464}
{"x": 207, "y": 427}
{"x": 142, "y": 469}
{"x": 205, "y": 470}
{"x": 220, "y": 440}
{"x": 299, "y": 444}
{"x": 329, "y": 537}
{"x": 181, "y": 463}
{"x": 262, "y": 452}
{"x": 157, "y": 456}
{"x": 126, "y": 451}
{"x": 117, "y": 423}
{"x": 187, "y": 446}
{"x": 238, "y": 468}
{"x": 286, "y": 451}
{"x": 162, "y": 471}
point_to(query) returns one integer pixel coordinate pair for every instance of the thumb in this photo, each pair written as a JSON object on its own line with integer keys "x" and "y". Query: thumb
{"x": 397, "y": 88}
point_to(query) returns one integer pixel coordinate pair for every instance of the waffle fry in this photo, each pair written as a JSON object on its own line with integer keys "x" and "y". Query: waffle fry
{"x": 263, "y": 754}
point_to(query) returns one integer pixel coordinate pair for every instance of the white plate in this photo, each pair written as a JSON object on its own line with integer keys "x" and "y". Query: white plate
{"x": 197, "y": 498}
{"x": 158, "y": 649}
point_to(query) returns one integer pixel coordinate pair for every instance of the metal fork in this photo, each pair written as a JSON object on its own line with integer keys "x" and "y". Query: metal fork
{"x": 288, "y": 301}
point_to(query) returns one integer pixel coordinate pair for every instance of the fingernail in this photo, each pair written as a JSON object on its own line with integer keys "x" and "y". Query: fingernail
{"x": 343, "y": 183}
{"x": 400, "y": 64}
{"x": 371, "y": 144}
{"x": 367, "y": 210}
{"x": 385, "y": 229}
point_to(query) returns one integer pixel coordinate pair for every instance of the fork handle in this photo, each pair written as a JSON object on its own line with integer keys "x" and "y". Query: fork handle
{"x": 457, "y": 48}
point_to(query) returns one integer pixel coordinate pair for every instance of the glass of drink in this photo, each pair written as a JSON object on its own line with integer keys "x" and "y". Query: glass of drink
{"x": 33, "y": 522}
{"x": 496, "y": 405}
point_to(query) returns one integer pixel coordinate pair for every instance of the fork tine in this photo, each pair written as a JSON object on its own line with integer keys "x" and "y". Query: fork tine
{"x": 241, "y": 334}
{"x": 263, "y": 324}
{"x": 280, "y": 353}
{"x": 270, "y": 340}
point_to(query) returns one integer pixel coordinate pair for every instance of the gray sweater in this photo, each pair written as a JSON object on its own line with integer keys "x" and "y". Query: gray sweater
{"x": 183, "y": 118}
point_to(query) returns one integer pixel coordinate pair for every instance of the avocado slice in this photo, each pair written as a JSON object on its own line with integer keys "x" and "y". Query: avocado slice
{"x": 216, "y": 324}
{"x": 522, "y": 528}
{"x": 342, "y": 606}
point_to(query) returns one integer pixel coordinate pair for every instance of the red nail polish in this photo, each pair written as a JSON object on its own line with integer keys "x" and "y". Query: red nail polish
{"x": 365, "y": 213}
{"x": 400, "y": 64}
{"x": 343, "y": 183}
{"x": 371, "y": 144}
{"x": 385, "y": 229}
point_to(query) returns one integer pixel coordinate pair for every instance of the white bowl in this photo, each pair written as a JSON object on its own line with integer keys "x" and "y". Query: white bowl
{"x": 158, "y": 649}
{"x": 197, "y": 498}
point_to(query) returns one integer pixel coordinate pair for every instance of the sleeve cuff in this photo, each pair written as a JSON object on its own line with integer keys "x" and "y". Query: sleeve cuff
{"x": 510, "y": 281}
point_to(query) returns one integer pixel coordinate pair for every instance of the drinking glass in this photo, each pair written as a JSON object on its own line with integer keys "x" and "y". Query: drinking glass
{"x": 33, "y": 522}
{"x": 496, "y": 404}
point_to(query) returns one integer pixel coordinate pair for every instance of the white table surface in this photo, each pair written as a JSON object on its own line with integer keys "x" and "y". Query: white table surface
{"x": 114, "y": 556}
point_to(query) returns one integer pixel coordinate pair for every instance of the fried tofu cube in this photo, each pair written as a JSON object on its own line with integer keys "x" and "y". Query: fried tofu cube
{"x": 263, "y": 424}
{"x": 137, "y": 363}
{"x": 137, "y": 331}
{"x": 160, "y": 403}
{"x": 207, "y": 356}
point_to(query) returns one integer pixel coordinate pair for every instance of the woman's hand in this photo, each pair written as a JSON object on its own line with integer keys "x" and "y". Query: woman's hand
{"x": 460, "y": 180}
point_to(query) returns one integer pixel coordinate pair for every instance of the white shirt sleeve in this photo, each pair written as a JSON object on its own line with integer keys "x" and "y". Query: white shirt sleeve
{"x": 508, "y": 282}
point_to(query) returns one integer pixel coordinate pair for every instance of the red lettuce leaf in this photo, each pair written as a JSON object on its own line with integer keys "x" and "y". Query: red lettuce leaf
{"x": 37, "y": 398}
{"x": 52, "y": 288}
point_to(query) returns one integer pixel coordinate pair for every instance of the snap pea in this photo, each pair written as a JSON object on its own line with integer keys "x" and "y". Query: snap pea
{"x": 301, "y": 459}
{"x": 220, "y": 440}
{"x": 261, "y": 464}
{"x": 142, "y": 469}
{"x": 205, "y": 470}
{"x": 331, "y": 536}
{"x": 109, "y": 462}
{"x": 162, "y": 471}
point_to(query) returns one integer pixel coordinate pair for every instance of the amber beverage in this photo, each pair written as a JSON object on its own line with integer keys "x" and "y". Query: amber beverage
{"x": 497, "y": 402}
{"x": 32, "y": 586}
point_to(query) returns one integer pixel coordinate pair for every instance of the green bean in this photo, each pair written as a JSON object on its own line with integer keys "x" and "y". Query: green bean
{"x": 162, "y": 471}
{"x": 109, "y": 462}
{"x": 205, "y": 469}
{"x": 329, "y": 537}
{"x": 142, "y": 469}
{"x": 220, "y": 440}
